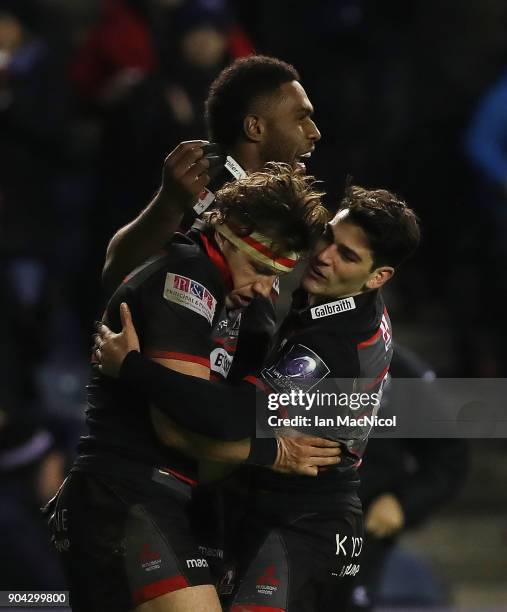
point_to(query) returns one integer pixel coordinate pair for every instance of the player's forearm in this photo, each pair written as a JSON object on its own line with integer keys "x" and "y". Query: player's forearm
{"x": 207, "y": 408}
{"x": 195, "y": 445}
{"x": 140, "y": 239}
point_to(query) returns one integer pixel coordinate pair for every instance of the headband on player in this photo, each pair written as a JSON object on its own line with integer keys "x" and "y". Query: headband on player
{"x": 258, "y": 247}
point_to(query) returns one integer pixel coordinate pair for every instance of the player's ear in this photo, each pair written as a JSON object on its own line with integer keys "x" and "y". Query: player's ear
{"x": 225, "y": 245}
{"x": 253, "y": 128}
{"x": 379, "y": 277}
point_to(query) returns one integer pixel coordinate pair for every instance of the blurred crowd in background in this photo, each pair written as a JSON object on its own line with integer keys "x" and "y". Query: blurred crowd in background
{"x": 410, "y": 96}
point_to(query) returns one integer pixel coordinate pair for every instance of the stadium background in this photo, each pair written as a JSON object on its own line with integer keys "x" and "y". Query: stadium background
{"x": 93, "y": 94}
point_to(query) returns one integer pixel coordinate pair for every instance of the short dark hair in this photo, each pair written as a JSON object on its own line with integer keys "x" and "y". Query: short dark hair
{"x": 279, "y": 202}
{"x": 392, "y": 228}
{"x": 236, "y": 88}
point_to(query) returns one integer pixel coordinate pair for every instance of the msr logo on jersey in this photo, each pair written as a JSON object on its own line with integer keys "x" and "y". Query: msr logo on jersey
{"x": 150, "y": 560}
{"x": 268, "y": 583}
{"x": 189, "y": 294}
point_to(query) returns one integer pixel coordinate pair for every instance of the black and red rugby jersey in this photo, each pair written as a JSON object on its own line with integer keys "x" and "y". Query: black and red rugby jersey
{"x": 176, "y": 300}
{"x": 344, "y": 343}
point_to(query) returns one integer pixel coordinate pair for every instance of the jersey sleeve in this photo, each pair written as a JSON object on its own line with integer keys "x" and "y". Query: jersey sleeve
{"x": 178, "y": 307}
{"x": 228, "y": 413}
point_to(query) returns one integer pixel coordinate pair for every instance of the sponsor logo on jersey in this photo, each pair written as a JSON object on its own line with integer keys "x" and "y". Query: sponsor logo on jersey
{"x": 352, "y": 543}
{"x": 268, "y": 583}
{"x": 228, "y": 327}
{"x": 59, "y": 522}
{"x": 206, "y": 551}
{"x": 234, "y": 168}
{"x": 190, "y": 294}
{"x": 332, "y": 308}
{"x": 349, "y": 570}
{"x": 220, "y": 361}
{"x": 206, "y": 198}
{"x": 149, "y": 559}
{"x": 297, "y": 369}
{"x": 225, "y": 335}
{"x": 226, "y": 584}
{"x": 386, "y": 332}
{"x": 197, "y": 563}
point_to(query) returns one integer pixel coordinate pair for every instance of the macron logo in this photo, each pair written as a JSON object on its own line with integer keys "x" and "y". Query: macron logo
{"x": 197, "y": 563}
{"x": 332, "y": 308}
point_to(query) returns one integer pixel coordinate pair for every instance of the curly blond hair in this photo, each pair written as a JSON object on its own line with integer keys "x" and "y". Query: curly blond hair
{"x": 278, "y": 201}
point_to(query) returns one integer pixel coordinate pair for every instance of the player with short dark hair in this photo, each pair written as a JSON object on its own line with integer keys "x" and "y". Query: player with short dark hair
{"x": 239, "y": 90}
{"x": 120, "y": 520}
{"x": 274, "y": 123}
{"x": 391, "y": 228}
{"x": 299, "y": 532}
{"x": 257, "y": 111}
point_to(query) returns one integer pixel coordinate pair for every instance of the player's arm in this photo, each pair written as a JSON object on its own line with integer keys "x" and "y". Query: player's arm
{"x": 290, "y": 455}
{"x": 184, "y": 440}
{"x": 205, "y": 407}
{"x": 198, "y": 446}
{"x": 185, "y": 397}
{"x": 302, "y": 454}
{"x": 183, "y": 178}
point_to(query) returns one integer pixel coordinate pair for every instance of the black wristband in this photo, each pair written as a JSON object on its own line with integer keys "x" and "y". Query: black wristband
{"x": 130, "y": 367}
{"x": 263, "y": 451}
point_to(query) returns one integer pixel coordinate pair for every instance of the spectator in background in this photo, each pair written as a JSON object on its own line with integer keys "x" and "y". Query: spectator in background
{"x": 145, "y": 70}
{"x": 486, "y": 149}
{"x": 31, "y": 125}
{"x": 31, "y": 471}
{"x": 117, "y": 53}
{"x": 206, "y": 38}
{"x": 32, "y": 128}
{"x": 486, "y": 142}
{"x": 35, "y": 444}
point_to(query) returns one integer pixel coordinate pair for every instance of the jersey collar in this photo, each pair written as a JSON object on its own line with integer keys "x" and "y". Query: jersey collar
{"x": 217, "y": 258}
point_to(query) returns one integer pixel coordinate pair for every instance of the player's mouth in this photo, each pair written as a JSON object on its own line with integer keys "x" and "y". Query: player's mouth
{"x": 235, "y": 300}
{"x": 300, "y": 161}
{"x": 315, "y": 273}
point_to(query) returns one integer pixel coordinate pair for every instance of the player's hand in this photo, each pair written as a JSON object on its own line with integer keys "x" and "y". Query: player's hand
{"x": 305, "y": 454}
{"x": 111, "y": 349}
{"x": 385, "y": 516}
{"x": 185, "y": 174}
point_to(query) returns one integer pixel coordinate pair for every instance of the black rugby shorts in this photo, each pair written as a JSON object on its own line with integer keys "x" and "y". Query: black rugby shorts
{"x": 124, "y": 542}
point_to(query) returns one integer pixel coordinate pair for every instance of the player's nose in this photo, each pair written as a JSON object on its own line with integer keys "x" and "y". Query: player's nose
{"x": 314, "y": 134}
{"x": 262, "y": 288}
{"x": 324, "y": 255}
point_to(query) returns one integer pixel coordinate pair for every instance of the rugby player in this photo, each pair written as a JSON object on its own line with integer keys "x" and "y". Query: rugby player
{"x": 120, "y": 520}
{"x": 257, "y": 111}
{"x": 300, "y": 533}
